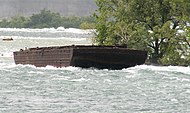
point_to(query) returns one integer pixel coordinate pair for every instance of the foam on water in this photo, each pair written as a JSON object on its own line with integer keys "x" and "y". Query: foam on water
{"x": 139, "y": 89}
{"x": 6, "y": 55}
{"x": 129, "y": 90}
{"x": 42, "y": 38}
{"x": 181, "y": 69}
{"x": 53, "y": 30}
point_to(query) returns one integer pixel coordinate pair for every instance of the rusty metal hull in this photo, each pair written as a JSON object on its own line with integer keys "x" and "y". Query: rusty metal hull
{"x": 109, "y": 57}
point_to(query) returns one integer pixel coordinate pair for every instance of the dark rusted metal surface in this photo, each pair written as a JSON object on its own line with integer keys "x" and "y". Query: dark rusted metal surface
{"x": 109, "y": 57}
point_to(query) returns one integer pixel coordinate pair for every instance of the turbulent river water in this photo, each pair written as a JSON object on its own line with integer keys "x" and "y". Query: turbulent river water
{"x": 139, "y": 89}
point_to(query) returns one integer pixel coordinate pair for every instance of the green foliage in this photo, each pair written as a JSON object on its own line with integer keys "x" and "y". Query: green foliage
{"x": 87, "y": 25}
{"x": 153, "y": 25}
{"x": 18, "y": 22}
{"x": 71, "y": 22}
{"x": 110, "y": 22}
{"x": 4, "y": 23}
{"x": 46, "y": 19}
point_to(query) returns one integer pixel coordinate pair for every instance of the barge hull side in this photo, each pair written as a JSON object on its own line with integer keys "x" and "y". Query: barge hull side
{"x": 58, "y": 57}
{"x": 107, "y": 58}
{"x": 103, "y": 57}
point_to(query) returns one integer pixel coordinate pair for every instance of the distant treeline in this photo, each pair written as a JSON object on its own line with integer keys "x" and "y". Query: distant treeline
{"x": 48, "y": 19}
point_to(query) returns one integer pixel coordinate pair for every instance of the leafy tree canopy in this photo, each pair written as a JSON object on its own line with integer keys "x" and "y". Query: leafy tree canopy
{"x": 46, "y": 19}
{"x": 159, "y": 26}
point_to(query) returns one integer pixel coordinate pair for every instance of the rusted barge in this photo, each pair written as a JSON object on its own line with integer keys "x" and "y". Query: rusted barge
{"x": 103, "y": 57}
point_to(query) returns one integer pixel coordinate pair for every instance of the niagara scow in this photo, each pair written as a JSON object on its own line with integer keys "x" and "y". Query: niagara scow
{"x": 85, "y": 56}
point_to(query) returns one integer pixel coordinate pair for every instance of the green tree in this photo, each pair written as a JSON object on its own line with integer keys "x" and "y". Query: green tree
{"x": 18, "y": 22}
{"x": 45, "y": 19}
{"x": 87, "y": 25}
{"x": 4, "y": 23}
{"x": 109, "y": 22}
{"x": 72, "y": 22}
{"x": 154, "y": 25}
{"x": 87, "y": 22}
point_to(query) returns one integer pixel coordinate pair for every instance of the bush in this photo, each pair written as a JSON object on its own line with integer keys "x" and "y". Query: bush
{"x": 45, "y": 19}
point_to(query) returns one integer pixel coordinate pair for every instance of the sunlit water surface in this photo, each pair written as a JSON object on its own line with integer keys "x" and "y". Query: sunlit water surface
{"x": 140, "y": 89}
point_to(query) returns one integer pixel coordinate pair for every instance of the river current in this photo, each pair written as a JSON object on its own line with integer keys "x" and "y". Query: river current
{"x": 139, "y": 89}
